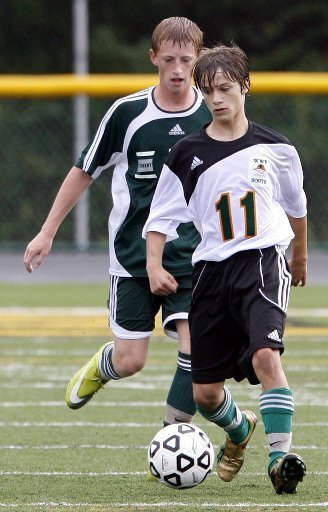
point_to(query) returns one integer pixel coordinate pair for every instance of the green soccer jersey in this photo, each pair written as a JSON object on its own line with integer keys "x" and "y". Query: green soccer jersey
{"x": 134, "y": 139}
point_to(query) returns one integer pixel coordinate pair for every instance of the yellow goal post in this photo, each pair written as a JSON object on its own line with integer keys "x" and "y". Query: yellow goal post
{"x": 121, "y": 84}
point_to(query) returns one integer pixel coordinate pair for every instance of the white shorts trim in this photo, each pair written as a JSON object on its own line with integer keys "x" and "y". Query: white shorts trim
{"x": 171, "y": 318}
{"x": 124, "y": 334}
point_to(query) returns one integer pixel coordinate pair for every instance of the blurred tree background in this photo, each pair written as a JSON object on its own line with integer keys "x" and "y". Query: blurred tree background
{"x": 36, "y": 134}
{"x": 277, "y": 35}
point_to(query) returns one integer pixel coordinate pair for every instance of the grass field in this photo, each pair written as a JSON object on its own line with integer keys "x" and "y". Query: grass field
{"x": 95, "y": 459}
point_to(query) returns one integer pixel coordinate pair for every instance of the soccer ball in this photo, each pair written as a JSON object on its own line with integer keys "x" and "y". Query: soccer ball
{"x": 181, "y": 455}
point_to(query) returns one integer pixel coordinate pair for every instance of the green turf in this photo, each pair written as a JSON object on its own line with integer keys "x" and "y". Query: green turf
{"x": 53, "y": 295}
{"x": 94, "y": 295}
{"x": 309, "y": 297}
{"x": 94, "y": 459}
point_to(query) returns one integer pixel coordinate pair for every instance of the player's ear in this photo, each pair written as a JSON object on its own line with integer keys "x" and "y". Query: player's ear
{"x": 245, "y": 87}
{"x": 153, "y": 57}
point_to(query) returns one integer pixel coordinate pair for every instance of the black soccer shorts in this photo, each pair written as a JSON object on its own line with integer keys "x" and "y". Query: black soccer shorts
{"x": 238, "y": 306}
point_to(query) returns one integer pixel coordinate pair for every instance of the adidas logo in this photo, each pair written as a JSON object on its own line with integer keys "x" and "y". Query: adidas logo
{"x": 274, "y": 335}
{"x": 176, "y": 130}
{"x": 196, "y": 161}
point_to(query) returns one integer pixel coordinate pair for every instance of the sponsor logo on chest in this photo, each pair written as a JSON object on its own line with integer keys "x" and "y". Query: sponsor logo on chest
{"x": 145, "y": 168}
{"x": 177, "y": 130}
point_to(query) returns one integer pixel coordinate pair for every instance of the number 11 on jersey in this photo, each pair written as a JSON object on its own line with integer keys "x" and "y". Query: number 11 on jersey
{"x": 247, "y": 202}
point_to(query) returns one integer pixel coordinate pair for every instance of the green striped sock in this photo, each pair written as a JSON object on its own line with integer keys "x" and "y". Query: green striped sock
{"x": 277, "y": 408}
{"x": 180, "y": 396}
{"x": 229, "y": 417}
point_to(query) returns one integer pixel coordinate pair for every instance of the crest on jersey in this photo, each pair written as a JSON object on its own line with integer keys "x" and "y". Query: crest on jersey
{"x": 258, "y": 168}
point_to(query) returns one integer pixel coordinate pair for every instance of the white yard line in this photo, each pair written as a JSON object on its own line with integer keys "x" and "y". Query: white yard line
{"x": 54, "y": 447}
{"x": 176, "y": 504}
{"x": 75, "y": 424}
{"x": 307, "y": 402}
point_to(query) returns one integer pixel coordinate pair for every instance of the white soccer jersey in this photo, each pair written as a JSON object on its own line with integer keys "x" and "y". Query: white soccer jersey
{"x": 237, "y": 193}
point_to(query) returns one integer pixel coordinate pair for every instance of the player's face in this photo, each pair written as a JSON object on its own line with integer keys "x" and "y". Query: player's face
{"x": 175, "y": 65}
{"x": 224, "y": 99}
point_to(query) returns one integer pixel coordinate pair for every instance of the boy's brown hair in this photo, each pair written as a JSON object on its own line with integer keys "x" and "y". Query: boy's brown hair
{"x": 180, "y": 31}
{"x": 231, "y": 60}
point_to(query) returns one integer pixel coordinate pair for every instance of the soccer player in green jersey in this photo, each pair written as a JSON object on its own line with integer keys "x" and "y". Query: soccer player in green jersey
{"x": 133, "y": 140}
{"x": 242, "y": 185}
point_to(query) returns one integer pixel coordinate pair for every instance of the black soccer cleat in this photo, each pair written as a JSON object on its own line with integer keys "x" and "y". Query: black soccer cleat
{"x": 287, "y": 472}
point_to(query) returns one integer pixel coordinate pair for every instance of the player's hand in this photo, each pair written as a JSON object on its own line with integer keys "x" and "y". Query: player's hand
{"x": 161, "y": 282}
{"x": 298, "y": 269}
{"x": 37, "y": 250}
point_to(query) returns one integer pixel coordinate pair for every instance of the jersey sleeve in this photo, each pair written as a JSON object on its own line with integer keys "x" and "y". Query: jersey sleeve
{"x": 106, "y": 146}
{"x": 291, "y": 193}
{"x": 168, "y": 208}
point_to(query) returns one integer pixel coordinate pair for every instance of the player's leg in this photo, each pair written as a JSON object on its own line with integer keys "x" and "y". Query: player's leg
{"x": 180, "y": 404}
{"x": 216, "y": 404}
{"x": 131, "y": 320}
{"x": 215, "y": 342}
{"x": 86, "y": 382}
{"x": 285, "y": 468}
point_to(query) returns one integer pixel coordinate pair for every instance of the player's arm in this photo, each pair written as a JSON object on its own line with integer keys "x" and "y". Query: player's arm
{"x": 75, "y": 183}
{"x": 298, "y": 260}
{"x": 161, "y": 282}
{"x": 168, "y": 209}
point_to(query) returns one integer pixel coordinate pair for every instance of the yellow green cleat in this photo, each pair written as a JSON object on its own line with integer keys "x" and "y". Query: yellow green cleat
{"x": 151, "y": 477}
{"x": 86, "y": 382}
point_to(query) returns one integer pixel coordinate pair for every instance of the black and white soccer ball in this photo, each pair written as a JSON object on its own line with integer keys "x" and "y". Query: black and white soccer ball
{"x": 181, "y": 456}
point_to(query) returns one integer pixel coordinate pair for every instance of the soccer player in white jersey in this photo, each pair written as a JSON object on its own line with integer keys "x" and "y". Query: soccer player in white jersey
{"x": 133, "y": 140}
{"x": 242, "y": 186}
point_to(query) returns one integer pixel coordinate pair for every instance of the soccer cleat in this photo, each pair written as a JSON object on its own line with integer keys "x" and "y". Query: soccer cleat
{"x": 231, "y": 456}
{"x": 287, "y": 472}
{"x": 151, "y": 477}
{"x": 86, "y": 382}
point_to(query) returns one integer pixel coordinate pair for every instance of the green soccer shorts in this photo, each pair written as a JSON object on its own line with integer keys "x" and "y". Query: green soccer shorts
{"x": 133, "y": 308}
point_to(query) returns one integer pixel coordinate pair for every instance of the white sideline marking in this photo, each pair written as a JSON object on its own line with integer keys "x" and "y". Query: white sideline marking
{"x": 41, "y": 424}
{"x": 303, "y": 312}
{"x": 72, "y": 473}
{"x": 113, "y": 447}
{"x": 143, "y": 505}
{"x": 50, "y": 385}
{"x": 134, "y": 385}
{"x": 74, "y": 447}
{"x": 242, "y": 403}
{"x": 301, "y": 368}
{"x": 122, "y": 473}
{"x": 101, "y": 404}
{"x": 74, "y": 424}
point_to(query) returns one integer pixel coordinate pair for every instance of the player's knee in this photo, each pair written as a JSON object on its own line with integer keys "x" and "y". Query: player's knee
{"x": 266, "y": 361}
{"x": 207, "y": 397}
{"x": 133, "y": 365}
{"x": 128, "y": 364}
